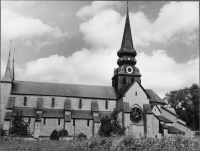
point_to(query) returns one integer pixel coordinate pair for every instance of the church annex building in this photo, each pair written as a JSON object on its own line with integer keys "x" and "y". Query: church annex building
{"x": 79, "y": 108}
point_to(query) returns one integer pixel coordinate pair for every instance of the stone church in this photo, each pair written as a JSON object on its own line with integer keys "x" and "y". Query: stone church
{"x": 79, "y": 108}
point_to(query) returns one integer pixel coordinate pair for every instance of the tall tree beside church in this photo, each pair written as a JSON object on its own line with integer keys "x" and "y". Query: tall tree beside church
{"x": 186, "y": 104}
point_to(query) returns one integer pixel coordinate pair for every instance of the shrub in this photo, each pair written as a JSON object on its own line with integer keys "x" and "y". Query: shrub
{"x": 3, "y": 132}
{"x": 110, "y": 125}
{"x": 81, "y": 136}
{"x": 54, "y": 135}
{"x": 63, "y": 133}
{"x": 197, "y": 133}
{"x": 19, "y": 127}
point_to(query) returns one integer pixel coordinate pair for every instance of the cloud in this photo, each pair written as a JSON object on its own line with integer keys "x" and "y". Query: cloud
{"x": 96, "y": 68}
{"x": 96, "y": 7}
{"x": 61, "y": 14}
{"x": 19, "y": 3}
{"x": 22, "y": 28}
{"x": 176, "y": 22}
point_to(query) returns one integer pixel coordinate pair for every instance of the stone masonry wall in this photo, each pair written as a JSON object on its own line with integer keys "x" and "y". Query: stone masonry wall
{"x": 5, "y": 94}
{"x": 81, "y": 127}
{"x": 132, "y": 98}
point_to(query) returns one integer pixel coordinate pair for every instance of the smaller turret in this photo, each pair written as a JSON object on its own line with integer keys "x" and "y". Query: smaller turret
{"x": 8, "y": 76}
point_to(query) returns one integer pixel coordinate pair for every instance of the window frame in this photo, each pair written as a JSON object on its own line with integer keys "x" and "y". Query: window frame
{"x": 53, "y": 102}
{"x": 44, "y": 121}
{"x": 106, "y": 104}
{"x": 25, "y": 101}
{"x": 80, "y": 104}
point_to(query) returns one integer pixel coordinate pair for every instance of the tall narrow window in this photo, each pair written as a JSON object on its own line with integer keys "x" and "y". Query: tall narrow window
{"x": 29, "y": 120}
{"x": 53, "y": 102}
{"x": 74, "y": 124}
{"x": 25, "y": 101}
{"x": 88, "y": 122}
{"x": 135, "y": 93}
{"x": 44, "y": 122}
{"x": 80, "y": 103}
{"x": 59, "y": 121}
{"x": 106, "y": 104}
{"x": 124, "y": 80}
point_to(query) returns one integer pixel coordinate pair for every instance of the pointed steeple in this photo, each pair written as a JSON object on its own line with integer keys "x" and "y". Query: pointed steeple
{"x": 8, "y": 76}
{"x": 127, "y": 48}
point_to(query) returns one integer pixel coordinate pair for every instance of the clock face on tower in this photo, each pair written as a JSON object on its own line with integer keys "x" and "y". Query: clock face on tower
{"x": 129, "y": 69}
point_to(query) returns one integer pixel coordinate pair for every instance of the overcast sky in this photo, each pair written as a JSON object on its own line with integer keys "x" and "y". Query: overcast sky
{"x": 77, "y": 42}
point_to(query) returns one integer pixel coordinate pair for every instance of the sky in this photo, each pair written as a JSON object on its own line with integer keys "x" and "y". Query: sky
{"x": 76, "y": 42}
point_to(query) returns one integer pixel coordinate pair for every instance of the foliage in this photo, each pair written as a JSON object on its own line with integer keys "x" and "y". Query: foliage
{"x": 63, "y": 133}
{"x": 81, "y": 136}
{"x": 54, "y": 135}
{"x": 110, "y": 125}
{"x": 197, "y": 133}
{"x": 19, "y": 127}
{"x": 186, "y": 104}
{"x": 3, "y": 132}
{"x": 119, "y": 143}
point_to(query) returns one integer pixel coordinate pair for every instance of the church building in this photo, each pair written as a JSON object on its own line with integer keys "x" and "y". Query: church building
{"x": 79, "y": 108}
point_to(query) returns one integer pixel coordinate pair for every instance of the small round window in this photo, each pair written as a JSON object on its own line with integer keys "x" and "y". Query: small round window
{"x": 136, "y": 114}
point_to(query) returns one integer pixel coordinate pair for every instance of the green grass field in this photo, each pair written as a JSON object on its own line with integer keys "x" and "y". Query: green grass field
{"x": 126, "y": 143}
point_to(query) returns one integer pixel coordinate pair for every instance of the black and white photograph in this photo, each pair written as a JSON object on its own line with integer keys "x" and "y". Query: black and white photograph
{"x": 99, "y": 75}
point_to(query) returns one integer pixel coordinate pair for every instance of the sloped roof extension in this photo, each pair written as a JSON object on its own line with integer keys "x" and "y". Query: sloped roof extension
{"x": 81, "y": 114}
{"x": 53, "y": 113}
{"x": 26, "y": 111}
{"x": 163, "y": 119}
{"x": 154, "y": 98}
{"x": 171, "y": 111}
{"x": 64, "y": 90}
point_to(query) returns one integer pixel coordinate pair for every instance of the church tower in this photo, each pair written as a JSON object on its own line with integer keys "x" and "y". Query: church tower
{"x": 127, "y": 72}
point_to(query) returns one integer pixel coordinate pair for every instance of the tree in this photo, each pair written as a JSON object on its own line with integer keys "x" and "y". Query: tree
{"x": 19, "y": 127}
{"x": 54, "y": 135}
{"x": 186, "y": 104}
{"x": 110, "y": 125}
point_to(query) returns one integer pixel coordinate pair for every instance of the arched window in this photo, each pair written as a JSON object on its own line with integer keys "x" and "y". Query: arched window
{"x": 124, "y": 80}
{"x": 25, "y": 101}
{"x": 136, "y": 114}
{"x": 53, "y": 102}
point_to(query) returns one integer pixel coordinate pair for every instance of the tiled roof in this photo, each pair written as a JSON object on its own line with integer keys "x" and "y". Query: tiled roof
{"x": 170, "y": 110}
{"x": 68, "y": 118}
{"x": 39, "y": 103}
{"x": 8, "y": 116}
{"x": 126, "y": 107}
{"x": 172, "y": 129}
{"x": 95, "y": 107}
{"x": 67, "y": 104}
{"x": 154, "y": 97}
{"x": 53, "y": 113}
{"x": 164, "y": 126}
{"x": 163, "y": 119}
{"x": 96, "y": 119}
{"x": 81, "y": 114}
{"x": 26, "y": 111}
{"x": 66, "y": 90}
{"x": 147, "y": 108}
{"x": 11, "y": 102}
{"x": 104, "y": 113}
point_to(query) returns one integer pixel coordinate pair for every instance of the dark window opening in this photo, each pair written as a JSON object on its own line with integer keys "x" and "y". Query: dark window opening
{"x": 59, "y": 121}
{"x": 124, "y": 80}
{"x": 53, "y": 102}
{"x": 74, "y": 124}
{"x": 29, "y": 120}
{"x": 106, "y": 105}
{"x": 80, "y": 103}
{"x": 88, "y": 122}
{"x": 25, "y": 101}
{"x": 136, "y": 93}
{"x": 44, "y": 122}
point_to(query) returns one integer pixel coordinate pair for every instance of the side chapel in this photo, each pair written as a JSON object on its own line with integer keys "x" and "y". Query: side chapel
{"x": 79, "y": 108}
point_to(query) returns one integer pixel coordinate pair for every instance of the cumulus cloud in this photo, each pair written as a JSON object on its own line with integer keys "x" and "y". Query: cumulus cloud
{"x": 176, "y": 22}
{"x": 23, "y": 28}
{"x": 88, "y": 11}
{"x": 159, "y": 72}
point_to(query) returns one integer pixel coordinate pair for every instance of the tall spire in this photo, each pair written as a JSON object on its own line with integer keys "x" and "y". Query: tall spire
{"x": 127, "y": 42}
{"x": 8, "y": 76}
